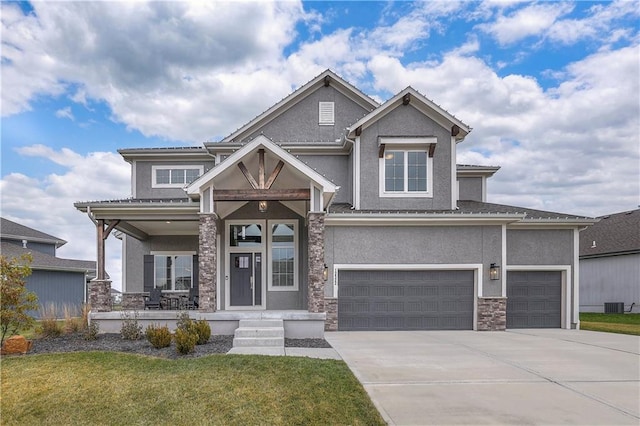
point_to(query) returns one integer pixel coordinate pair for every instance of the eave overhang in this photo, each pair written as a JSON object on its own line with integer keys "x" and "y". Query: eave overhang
{"x": 419, "y": 219}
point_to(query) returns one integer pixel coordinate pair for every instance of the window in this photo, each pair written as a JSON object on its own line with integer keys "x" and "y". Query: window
{"x": 406, "y": 166}
{"x": 245, "y": 235}
{"x": 326, "y": 113}
{"x": 175, "y": 176}
{"x": 284, "y": 260}
{"x": 173, "y": 272}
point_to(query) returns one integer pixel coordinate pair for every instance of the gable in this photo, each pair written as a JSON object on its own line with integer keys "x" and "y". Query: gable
{"x": 328, "y": 79}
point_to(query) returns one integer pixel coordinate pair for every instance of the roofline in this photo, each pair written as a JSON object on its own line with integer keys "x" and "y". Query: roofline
{"x": 419, "y": 219}
{"x": 182, "y": 152}
{"x": 61, "y": 268}
{"x": 462, "y": 170}
{"x": 610, "y": 254}
{"x": 392, "y": 103}
{"x": 301, "y": 93}
{"x": 57, "y": 241}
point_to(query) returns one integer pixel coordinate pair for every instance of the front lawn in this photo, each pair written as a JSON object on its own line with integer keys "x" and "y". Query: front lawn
{"x": 611, "y": 323}
{"x": 115, "y": 388}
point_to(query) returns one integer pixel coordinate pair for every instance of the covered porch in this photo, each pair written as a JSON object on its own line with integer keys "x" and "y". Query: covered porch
{"x": 254, "y": 227}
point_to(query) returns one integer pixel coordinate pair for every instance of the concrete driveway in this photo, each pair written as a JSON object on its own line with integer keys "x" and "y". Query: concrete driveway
{"x": 525, "y": 377}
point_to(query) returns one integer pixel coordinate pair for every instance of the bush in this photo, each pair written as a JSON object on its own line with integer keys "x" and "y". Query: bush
{"x": 15, "y": 300}
{"x": 203, "y": 330}
{"x": 49, "y": 326}
{"x": 184, "y": 321}
{"x": 185, "y": 341}
{"x": 159, "y": 337}
{"x": 130, "y": 330}
{"x": 91, "y": 331}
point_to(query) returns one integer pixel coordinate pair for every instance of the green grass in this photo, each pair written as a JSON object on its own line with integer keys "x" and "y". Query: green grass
{"x": 113, "y": 388}
{"x": 611, "y": 323}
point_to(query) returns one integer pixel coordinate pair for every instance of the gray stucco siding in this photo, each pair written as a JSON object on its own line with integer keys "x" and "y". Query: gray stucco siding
{"x": 336, "y": 168}
{"x": 470, "y": 188}
{"x": 425, "y": 245}
{"x": 405, "y": 121}
{"x": 300, "y": 122}
{"x": 58, "y": 288}
{"x": 540, "y": 247}
{"x": 610, "y": 279}
{"x": 144, "y": 176}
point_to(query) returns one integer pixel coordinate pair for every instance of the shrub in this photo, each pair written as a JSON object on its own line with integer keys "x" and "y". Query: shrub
{"x": 159, "y": 337}
{"x": 15, "y": 300}
{"x": 130, "y": 330}
{"x": 203, "y": 330}
{"x": 184, "y": 321}
{"x": 91, "y": 331}
{"x": 49, "y": 326}
{"x": 185, "y": 341}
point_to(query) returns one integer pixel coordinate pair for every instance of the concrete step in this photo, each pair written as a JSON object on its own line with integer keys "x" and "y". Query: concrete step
{"x": 257, "y": 351}
{"x": 260, "y": 323}
{"x": 258, "y": 342}
{"x": 259, "y": 332}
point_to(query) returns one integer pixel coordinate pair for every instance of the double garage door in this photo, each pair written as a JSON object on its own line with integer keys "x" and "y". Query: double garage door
{"x": 441, "y": 300}
{"x": 405, "y": 300}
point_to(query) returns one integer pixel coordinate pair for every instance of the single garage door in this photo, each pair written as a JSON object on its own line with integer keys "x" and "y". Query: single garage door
{"x": 534, "y": 299}
{"x": 405, "y": 300}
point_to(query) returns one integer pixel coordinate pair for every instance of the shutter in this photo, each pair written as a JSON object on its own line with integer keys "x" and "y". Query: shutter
{"x": 326, "y": 113}
{"x": 196, "y": 272}
{"x": 148, "y": 272}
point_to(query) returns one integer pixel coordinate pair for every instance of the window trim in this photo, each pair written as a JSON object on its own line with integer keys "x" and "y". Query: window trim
{"x": 173, "y": 275}
{"x": 323, "y": 119}
{"x": 405, "y": 193}
{"x": 296, "y": 255}
{"x": 154, "y": 171}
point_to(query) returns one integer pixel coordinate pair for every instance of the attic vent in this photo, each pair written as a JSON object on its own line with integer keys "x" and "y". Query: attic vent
{"x": 326, "y": 113}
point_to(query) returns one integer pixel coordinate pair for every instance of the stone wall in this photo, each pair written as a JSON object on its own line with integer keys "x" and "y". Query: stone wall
{"x": 207, "y": 262}
{"x": 100, "y": 295}
{"x": 316, "y": 262}
{"x": 492, "y": 314}
{"x": 133, "y": 301}
{"x": 331, "y": 307}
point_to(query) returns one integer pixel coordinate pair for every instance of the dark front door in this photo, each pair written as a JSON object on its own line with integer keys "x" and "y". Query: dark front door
{"x": 246, "y": 282}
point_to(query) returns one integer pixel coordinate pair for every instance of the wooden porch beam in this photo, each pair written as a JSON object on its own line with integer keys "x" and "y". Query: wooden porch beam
{"x": 247, "y": 175}
{"x": 274, "y": 175}
{"x": 261, "y": 194}
{"x": 112, "y": 225}
{"x": 261, "y": 168}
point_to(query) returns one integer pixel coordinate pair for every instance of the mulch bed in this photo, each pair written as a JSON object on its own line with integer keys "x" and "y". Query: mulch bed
{"x": 114, "y": 342}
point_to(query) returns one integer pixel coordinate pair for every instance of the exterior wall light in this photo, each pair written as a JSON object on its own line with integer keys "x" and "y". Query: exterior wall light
{"x": 325, "y": 272}
{"x": 494, "y": 272}
{"x": 262, "y": 206}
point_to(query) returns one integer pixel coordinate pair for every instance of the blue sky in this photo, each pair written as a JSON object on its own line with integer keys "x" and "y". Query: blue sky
{"x": 551, "y": 90}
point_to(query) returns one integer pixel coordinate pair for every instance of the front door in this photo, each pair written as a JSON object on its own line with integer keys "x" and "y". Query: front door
{"x": 246, "y": 279}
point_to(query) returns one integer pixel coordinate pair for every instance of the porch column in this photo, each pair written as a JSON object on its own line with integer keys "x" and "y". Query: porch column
{"x": 207, "y": 262}
{"x": 316, "y": 262}
{"x": 100, "y": 287}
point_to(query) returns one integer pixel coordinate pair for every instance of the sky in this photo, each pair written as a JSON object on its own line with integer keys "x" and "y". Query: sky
{"x": 551, "y": 90}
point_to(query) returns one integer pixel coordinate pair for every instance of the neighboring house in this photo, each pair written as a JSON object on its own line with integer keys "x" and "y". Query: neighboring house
{"x": 610, "y": 263}
{"x": 57, "y": 282}
{"x": 332, "y": 204}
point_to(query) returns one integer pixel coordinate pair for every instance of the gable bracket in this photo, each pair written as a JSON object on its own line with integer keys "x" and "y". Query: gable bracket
{"x": 274, "y": 175}
{"x": 432, "y": 148}
{"x": 406, "y": 99}
{"x": 455, "y": 130}
{"x": 247, "y": 175}
{"x": 359, "y": 131}
{"x": 381, "y": 150}
{"x": 327, "y": 81}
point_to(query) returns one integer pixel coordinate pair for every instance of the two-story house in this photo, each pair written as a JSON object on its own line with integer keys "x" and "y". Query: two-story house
{"x": 331, "y": 208}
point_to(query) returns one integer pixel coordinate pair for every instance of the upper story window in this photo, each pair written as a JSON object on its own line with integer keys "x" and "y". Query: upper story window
{"x": 175, "y": 176}
{"x": 406, "y": 167}
{"x": 326, "y": 113}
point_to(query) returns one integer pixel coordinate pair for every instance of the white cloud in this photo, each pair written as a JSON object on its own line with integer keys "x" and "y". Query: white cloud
{"x": 65, "y": 113}
{"x": 529, "y": 21}
{"x": 47, "y": 204}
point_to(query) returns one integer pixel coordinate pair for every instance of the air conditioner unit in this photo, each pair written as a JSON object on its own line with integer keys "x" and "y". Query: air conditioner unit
{"x": 614, "y": 308}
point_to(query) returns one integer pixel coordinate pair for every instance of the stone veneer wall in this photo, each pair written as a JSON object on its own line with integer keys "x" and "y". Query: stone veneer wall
{"x": 207, "y": 262}
{"x": 331, "y": 307}
{"x": 316, "y": 262}
{"x": 133, "y": 301}
{"x": 100, "y": 295}
{"x": 492, "y": 313}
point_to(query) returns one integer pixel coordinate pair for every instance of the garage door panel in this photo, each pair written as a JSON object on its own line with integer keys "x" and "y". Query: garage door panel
{"x": 406, "y": 300}
{"x": 534, "y": 299}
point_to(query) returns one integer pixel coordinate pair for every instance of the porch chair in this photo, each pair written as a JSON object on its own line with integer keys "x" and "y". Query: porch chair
{"x": 154, "y": 300}
{"x": 191, "y": 301}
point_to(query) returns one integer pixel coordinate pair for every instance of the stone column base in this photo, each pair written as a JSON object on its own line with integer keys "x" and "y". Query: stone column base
{"x": 492, "y": 313}
{"x": 100, "y": 295}
{"x": 133, "y": 301}
{"x": 331, "y": 307}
